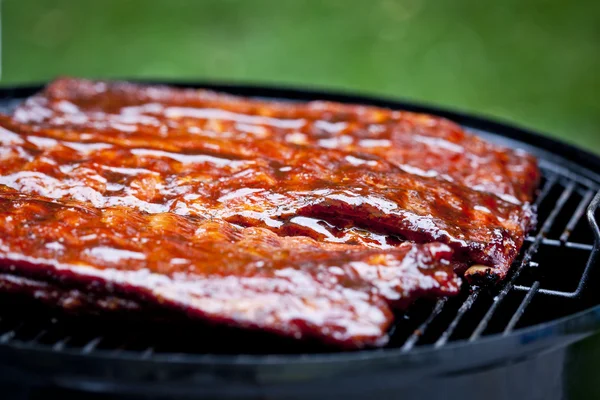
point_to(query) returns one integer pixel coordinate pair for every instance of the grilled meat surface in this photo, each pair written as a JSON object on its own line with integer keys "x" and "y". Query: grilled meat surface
{"x": 420, "y": 144}
{"x": 247, "y": 277}
{"x": 304, "y": 219}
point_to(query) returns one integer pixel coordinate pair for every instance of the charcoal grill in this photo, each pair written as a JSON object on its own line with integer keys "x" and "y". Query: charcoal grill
{"x": 508, "y": 341}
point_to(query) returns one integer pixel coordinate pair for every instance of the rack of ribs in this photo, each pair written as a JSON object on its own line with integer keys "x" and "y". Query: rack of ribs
{"x": 305, "y": 219}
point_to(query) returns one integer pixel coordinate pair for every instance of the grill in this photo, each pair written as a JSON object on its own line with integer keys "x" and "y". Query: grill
{"x": 547, "y": 302}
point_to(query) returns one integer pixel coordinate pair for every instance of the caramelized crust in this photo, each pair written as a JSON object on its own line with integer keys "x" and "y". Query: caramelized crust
{"x": 246, "y": 277}
{"x": 306, "y": 192}
{"x": 420, "y": 144}
{"x": 98, "y": 152}
{"x": 309, "y": 220}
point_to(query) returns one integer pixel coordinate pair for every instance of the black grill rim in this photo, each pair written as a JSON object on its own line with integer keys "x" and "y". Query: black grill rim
{"x": 520, "y": 343}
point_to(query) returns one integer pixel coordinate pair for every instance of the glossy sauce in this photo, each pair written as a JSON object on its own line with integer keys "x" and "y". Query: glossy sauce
{"x": 299, "y": 219}
{"x": 422, "y": 144}
{"x": 259, "y": 176}
{"x": 247, "y": 277}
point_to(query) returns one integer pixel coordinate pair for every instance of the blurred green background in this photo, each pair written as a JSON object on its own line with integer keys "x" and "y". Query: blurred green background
{"x": 536, "y": 63}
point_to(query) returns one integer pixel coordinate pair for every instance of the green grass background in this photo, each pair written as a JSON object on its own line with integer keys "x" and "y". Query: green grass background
{"x": 534, "y": 62}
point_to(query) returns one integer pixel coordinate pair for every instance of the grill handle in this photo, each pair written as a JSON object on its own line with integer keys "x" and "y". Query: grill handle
{"x": 591, "y": 216}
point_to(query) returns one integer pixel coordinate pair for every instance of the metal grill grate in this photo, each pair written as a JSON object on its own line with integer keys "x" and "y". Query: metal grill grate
{"x": 549, "y": 280}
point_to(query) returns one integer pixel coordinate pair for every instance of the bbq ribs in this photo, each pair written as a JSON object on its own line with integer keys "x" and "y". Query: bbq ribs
{"x": 304, "y": 219}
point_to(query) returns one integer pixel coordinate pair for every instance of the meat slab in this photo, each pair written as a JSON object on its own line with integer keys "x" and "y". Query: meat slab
{"x": 304, "y": 219}
{"x": 247, "y": 277}
{"x": 418, "y": 143}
